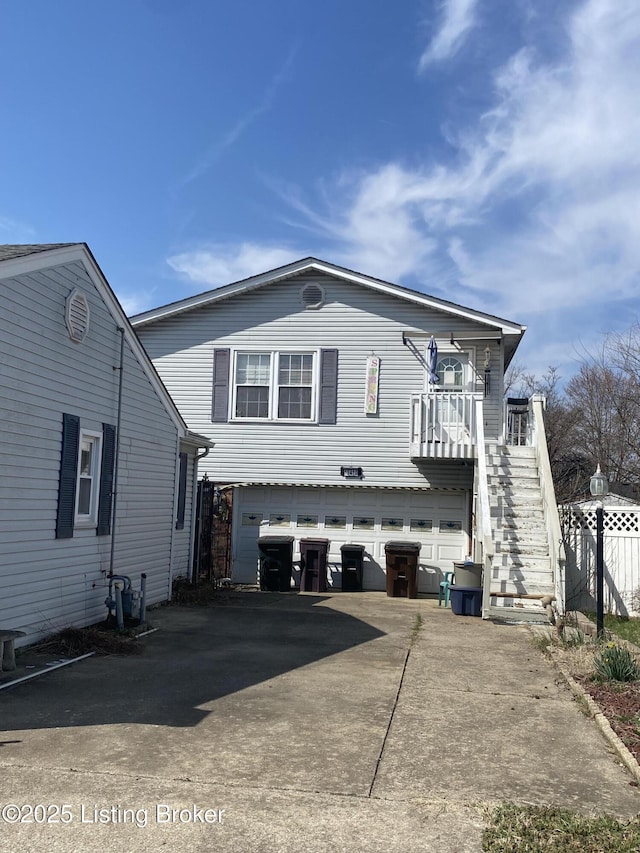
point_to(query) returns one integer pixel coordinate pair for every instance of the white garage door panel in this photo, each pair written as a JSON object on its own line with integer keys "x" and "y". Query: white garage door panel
{"x": 438, "y": 520}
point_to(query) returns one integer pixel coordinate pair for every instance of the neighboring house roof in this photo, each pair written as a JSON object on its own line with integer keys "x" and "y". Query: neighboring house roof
{"x": 510, "y": 331}
{"x": 20, "y": 259}
{"x": 21, "y": 250}
{"x": 610, "y": 500}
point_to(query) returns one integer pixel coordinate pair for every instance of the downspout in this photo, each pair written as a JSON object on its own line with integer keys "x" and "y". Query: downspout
{"x": 176, "y": 488}
{"x": 116, "y": 461}
{"x": 194, "y": 501}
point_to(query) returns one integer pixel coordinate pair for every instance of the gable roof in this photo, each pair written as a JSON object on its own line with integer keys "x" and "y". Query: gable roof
{"x": 19, "y": 259}
{"x": 510, "y": 331}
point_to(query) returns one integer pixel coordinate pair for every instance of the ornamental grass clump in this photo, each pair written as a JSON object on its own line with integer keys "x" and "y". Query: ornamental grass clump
{"x": 616, "y": 663}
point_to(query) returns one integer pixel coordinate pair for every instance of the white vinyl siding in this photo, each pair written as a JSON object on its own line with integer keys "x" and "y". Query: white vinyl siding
{"x": 356, "y": 321}
{"x": 46, "y": 583}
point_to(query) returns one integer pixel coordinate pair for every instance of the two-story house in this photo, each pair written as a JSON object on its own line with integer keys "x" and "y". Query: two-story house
{"x": 352, "y": 409}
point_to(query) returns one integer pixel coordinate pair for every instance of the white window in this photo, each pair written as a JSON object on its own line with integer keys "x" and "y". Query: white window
{"x": 450, "y": 372}
{"x": 275, "y": 386}
{"x": 89, "y": 456}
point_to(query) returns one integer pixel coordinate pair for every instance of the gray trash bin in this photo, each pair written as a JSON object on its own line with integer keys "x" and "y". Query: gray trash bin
{"x": 468, "y": 574}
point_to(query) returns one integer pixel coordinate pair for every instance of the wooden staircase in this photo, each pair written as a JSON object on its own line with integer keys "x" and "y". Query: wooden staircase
{"x": 521, "y": 562}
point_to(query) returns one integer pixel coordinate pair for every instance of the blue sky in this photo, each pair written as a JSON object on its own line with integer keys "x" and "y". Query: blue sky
{"x": 484, "y": 151}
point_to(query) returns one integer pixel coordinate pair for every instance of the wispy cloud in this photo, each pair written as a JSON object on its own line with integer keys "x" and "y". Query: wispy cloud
{"x": 457, "y": 19}
{"x": 14, "y": 231}
{"x": 215, "y": 265}
{"x": 543, "y": 199}
{"x": 217, "y": 149}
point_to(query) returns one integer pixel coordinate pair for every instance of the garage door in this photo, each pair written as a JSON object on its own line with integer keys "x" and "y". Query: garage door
{"x": 439, "y": 520}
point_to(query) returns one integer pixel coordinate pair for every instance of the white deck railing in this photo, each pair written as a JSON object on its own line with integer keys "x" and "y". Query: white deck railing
{"x": 443, "y": 425}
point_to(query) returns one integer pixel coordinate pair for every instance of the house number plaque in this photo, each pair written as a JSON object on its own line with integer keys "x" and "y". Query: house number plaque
{"x": 351, "y": 473}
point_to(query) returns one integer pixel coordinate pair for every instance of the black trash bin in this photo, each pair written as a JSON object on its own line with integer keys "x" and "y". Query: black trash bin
{"x": 313, "y": 563}
{"x": 276, "y": 562}
{"x": 402, "y": 569}
{"x": 352, "y": 557}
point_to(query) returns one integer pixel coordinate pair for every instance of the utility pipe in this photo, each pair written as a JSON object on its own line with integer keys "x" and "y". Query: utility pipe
{"x": 119, "y": 614}
{"x": 116, "y": 461}
{"x": 143, "y": 598}
{"x": 44, "y": 671}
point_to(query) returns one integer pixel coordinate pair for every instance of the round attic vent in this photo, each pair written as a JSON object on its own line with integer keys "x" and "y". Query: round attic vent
{"x": 77, "y": 316}
{"x": 312, "y": 295}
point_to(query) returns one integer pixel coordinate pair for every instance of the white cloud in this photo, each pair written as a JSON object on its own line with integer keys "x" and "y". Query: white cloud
{"x": 216, "y": 265}
{"x": 458, "y": 18}
{"x": 542, "y": 206}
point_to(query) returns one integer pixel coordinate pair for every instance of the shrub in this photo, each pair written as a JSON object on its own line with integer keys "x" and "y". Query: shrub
{"x": 616, "y": 663}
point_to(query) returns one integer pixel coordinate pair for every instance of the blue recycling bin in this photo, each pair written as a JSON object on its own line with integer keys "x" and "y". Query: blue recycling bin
{"x": 466, "y": 600}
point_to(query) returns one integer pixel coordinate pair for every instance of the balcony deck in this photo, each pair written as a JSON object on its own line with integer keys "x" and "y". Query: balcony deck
{"x": 443, "y": 425}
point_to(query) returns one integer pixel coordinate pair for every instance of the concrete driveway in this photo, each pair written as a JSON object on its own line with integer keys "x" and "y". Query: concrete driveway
{"x": 283, "y": 722}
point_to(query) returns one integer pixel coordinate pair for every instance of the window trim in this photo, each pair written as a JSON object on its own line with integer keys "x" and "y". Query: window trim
{"x": 274, "y": 384}
{"x": 89, "y": 519}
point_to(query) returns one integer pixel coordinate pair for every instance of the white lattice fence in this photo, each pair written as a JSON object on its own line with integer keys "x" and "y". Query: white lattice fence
{"x": 621, "y": 559}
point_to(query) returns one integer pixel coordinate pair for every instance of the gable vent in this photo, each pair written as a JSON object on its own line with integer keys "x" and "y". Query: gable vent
{"x": 77, "y": 316}
{"x": 312, "y": 296}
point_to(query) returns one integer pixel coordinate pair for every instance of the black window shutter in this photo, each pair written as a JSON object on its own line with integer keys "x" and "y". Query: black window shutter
{"x": 105, "y": 493}
{"x": 182, "y": 491}
{"x": 220, "y": 407}
{"x": 328, "y": 386}
{"x": 68, "y": 476}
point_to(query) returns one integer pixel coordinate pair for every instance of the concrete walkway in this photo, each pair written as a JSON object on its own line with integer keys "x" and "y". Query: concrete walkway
{"x": 316, "y": 722}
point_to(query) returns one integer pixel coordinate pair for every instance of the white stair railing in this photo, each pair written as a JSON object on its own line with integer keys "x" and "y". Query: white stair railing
{"x": 550, "y": 507}
{"x": 484, "y": 538}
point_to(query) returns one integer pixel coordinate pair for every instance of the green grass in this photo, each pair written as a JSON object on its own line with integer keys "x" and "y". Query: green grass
{"x": 623, "y": 626}
{"x": 530, "y": 829}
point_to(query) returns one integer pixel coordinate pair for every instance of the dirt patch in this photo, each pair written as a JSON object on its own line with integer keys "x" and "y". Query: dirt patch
{"x": 620, "y": 703}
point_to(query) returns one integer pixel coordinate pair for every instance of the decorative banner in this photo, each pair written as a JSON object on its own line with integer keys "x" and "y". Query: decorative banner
{"x": 373, "y": 376}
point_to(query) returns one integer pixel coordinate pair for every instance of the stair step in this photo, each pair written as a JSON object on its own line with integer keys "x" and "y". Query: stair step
{"x": 521, "y": 562}
{"x": 523, "y": 549}
{"x": 511, "y": 450}
{"x": 512, "y": 613}
{"x": 536, "y": 580}
{"x": 529, "y": 520}
{"x": 518, "y": 503}
{"x": 511, "y": 471}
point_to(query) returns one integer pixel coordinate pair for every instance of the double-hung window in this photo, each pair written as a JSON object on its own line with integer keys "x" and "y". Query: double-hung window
{"x": 87, "y": 462}
{"x": 89, "y": 454}
{"x": 275, "y": 385}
